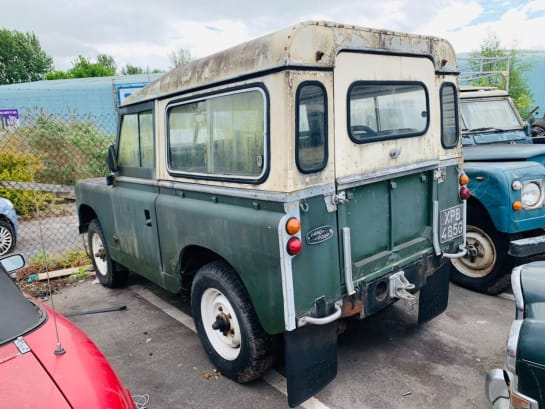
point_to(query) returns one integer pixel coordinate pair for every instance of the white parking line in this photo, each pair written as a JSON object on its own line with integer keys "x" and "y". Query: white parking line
{"x": 507, "y": 296}
{"x": 272, "y": 377}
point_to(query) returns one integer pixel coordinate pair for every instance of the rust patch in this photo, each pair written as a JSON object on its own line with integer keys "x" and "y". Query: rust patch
{"x": 319, "y": 55}
{"x": 351, "y": 306}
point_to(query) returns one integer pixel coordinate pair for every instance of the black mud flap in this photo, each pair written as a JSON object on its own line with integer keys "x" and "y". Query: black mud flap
{"x": 433, "y": 298}
{"x": 311, "y": 360}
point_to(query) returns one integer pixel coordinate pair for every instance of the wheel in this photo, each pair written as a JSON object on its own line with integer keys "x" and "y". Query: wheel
{"x": 109, "y": 273}
{"x": 7, "y": 237}
{"x": 227, "y": 324}
{"x": 487, "y": 266}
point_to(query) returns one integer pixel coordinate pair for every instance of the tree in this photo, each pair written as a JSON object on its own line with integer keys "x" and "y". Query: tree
{"x": 131, "y": 70}
{"x": 107, "y": 61}
{"x": 22, "y": 58}
{"x": 84, "y": 68}
{"x": 180, "y": 57}
{"x": 493, "y": 57}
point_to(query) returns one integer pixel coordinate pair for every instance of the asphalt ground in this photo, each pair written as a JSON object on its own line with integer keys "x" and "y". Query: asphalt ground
{"x": 384, "y": 361}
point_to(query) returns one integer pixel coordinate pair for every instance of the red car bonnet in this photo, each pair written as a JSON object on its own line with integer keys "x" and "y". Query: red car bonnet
{"x": 82, "y": 374}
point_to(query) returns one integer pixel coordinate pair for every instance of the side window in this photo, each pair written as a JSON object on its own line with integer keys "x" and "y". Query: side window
{"x": 449, "y": 116}
{"x": 223, "y": 135}
{"x": 311, "y": 127}
{"x": 129, "y": 151}
{"x": 146, "y": 140}
{"x": 136, "y": 144}
{"x": 387, "y": 110}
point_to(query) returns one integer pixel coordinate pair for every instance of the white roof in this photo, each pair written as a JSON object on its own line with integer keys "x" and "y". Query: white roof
{"x": 311, "y": 44}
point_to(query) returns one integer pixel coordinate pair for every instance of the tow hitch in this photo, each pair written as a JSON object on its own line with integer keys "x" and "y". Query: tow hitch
{"x": 399, "y": 286}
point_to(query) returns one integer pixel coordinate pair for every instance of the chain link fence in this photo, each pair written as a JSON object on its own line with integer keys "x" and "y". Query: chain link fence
{"x": 41, "y": 158}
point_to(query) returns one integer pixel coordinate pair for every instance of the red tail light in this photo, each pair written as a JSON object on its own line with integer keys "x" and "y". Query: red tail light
{"x": 294, "y": 246}
{"x": 464, "y": 193}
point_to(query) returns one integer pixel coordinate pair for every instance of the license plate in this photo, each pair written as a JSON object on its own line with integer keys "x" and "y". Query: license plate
{"x": 452, "y": 223}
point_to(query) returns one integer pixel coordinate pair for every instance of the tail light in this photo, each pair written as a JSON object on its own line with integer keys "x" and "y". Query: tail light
{"x": 463, "y": 179}
{"x": 293, "y": 225}
{"x": 464, "y": 192}
{"x": 294, "y": 244}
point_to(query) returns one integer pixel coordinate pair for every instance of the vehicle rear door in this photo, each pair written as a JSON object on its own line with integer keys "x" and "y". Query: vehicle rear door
{"x": 385, "y": 153}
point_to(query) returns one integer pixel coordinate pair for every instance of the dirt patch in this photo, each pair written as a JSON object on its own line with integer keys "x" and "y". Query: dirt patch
{"x": 27, "y": 281}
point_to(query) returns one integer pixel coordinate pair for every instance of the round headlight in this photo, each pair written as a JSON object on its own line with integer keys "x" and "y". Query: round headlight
{"x": 531, "y": 194}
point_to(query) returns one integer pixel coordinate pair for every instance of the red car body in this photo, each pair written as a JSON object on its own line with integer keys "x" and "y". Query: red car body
{"x": 33, "y": 375}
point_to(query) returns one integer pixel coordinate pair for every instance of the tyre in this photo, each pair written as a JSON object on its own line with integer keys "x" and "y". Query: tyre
{"x": 487, "y": 266}
{"x": 7, "y": 237}
{"x": 109, "y": 273}
{"x": 227, "y": 324}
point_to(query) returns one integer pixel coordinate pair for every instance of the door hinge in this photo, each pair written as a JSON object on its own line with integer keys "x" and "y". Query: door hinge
{"x": 439, "y": 175}
{"x": 331, "y": 201}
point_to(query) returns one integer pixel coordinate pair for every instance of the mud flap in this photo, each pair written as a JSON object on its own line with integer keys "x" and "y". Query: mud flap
{"x": 433, "y": 298}
{"x": 311, "y": 360}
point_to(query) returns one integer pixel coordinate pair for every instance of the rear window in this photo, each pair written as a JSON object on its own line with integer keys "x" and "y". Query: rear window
{"x": 387, "y": 110}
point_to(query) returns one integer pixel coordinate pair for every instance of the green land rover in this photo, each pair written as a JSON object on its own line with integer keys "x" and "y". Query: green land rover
{"x": 303, "y": 177}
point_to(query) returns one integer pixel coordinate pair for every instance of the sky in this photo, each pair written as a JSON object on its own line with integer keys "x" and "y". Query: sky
{"x": 145, "y": 32}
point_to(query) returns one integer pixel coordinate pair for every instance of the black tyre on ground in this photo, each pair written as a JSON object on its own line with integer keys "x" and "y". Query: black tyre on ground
{"x": 227, "y": 324}
{"x": 487, "y": 266}
{"x": 7, "y": 237}
{"x": 109, "y": 273}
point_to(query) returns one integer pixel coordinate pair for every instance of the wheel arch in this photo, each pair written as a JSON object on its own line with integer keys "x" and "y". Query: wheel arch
{"x": 474, "y": 203}
{"x": 192, "y": 258}
{"x": 7, "y": 220}
{"x": 85, "y": 215}
{"x": 13, "y": 231}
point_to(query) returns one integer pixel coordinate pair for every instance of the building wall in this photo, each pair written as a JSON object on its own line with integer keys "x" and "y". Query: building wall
{"x": 84, "y": 98}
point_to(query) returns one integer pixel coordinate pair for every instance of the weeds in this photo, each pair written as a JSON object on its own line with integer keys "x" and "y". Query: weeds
{"x": 27, "y": 278}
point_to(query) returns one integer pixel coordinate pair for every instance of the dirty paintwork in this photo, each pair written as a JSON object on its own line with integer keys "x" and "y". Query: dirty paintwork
{"x": 310, "y": 44}
{"x": 498, "y": 156}
{"x": 506, "y": 212}
{"x": 381, "y": 194}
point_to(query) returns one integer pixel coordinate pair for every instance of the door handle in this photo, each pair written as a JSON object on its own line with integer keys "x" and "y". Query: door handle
{"x": 148, "y": 217}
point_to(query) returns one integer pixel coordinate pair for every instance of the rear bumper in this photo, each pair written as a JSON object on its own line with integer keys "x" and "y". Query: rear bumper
{"x": 498, "y": 393}
{"x": 496, "y": 389}
{"x": 530, "y": 246}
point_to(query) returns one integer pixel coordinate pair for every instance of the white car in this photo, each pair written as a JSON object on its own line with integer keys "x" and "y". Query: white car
{"x": 9, "y": 226}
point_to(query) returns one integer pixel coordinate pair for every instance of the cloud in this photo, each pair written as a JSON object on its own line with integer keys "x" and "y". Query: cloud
{"x": 144, "y": 33}
{"x": 453, "y": 17}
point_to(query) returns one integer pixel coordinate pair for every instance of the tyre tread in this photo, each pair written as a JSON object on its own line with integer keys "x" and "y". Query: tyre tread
{"x": 260, "y": 345}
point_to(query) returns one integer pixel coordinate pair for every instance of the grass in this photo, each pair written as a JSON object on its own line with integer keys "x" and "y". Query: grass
{"x": 43, "y": 262}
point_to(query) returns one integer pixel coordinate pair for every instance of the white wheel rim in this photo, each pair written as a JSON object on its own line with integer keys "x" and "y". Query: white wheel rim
{"x": 214, "y": 303}
{"x": 483, "y": 263}
{"x": 6, "y": 240}
{"x": 99, "y": 254}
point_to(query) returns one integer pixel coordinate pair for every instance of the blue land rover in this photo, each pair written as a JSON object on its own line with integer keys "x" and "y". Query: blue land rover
{"x": 506, "y": 213}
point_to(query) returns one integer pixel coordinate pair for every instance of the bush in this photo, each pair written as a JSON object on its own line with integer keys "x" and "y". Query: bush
{"x": 52, "y": 151}
{"x": 69, "y": 150}
{"x": 16, "y": 165}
